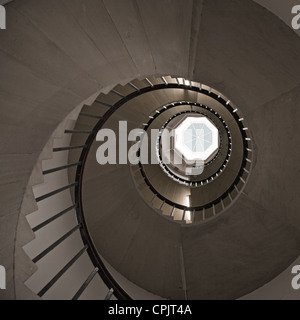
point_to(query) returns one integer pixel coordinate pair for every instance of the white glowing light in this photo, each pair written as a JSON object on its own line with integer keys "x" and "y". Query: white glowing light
{"x": 196, "y": 138}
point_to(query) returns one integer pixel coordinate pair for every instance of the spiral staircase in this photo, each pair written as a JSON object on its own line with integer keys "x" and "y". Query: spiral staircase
{"x": 141, "y": 231}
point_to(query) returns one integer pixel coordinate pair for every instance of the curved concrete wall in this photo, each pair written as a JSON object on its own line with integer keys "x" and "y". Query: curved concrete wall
{"x": 56, "y": 54}
{"x": 281, "y": 9}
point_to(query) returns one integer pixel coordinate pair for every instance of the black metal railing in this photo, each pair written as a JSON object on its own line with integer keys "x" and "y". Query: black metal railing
{"x": 99, "y": 266}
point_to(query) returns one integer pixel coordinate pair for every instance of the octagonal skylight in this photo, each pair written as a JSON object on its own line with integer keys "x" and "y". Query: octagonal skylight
{"x": 197, "y": 138}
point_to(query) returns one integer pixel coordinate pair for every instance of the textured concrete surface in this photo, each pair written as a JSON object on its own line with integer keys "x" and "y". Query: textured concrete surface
{"x": 281, "y": 9}
{"x": 255, "y": 239}
{"x": 239, "y": 251}
{"x": 56, "y": 61}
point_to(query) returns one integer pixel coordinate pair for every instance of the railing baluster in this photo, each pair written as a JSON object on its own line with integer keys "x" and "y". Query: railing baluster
{"x": 214, "y": 210}
{"x": 78, "y": 132}
{"x": 44, "y": 224}
{"x": 172, "y": 212}
{"x": 48, "y": 195}
{"x": 109, "y": 295}
{"x": 149, "y": 82}
{"x": 69, "y": 148}
{"x": 88, "y": 115}
{"x": 134, "y": 87}
{"x": 104, "y": 104}
{"x": 222, "y": 203}
{"x": 55, "y": 244}
{"x": 85, "y": 285}
{"x": 61, "y": 168}
{"x": 62, "y": 272}
{"x": 164, "y": 80}
{"x": 118, "y": 93}
{"x": 193, "y": 215}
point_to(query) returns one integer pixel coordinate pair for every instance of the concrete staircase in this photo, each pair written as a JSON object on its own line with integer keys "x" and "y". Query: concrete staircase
{"x": 66, "y": 52}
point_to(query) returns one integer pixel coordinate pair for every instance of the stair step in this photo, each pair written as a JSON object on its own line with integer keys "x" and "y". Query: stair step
{"x": 155, "y": 80}
{"x": 124, "y": 90}
{"x": 109, "y": 99}
{"x": 140, "y": 84}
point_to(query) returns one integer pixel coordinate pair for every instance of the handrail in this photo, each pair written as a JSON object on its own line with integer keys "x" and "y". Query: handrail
{"x": 92, "y": 251}
{"x": 180, "y": 103}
